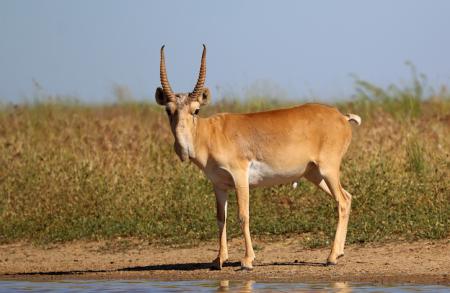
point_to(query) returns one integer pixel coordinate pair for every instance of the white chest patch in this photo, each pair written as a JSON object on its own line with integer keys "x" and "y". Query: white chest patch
{"x": 258, "y": 171}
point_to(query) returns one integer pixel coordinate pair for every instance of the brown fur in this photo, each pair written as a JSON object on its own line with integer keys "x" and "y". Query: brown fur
{"x": 308, "y": 140}
{"x": 237, "y": 151}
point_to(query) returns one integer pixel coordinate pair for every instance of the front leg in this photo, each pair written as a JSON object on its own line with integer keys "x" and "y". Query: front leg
{"x": 242, "y": 193}
{"x": 221, "y": 205}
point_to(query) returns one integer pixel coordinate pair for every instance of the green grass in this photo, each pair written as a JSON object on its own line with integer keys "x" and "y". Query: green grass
{"x": 72, "y": 171}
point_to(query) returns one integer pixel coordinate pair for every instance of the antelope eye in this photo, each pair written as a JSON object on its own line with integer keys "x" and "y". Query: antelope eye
{"x": 196, "y": 111}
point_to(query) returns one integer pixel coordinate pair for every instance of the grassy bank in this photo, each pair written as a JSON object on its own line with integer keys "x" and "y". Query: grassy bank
{"x": 71, "y": 171}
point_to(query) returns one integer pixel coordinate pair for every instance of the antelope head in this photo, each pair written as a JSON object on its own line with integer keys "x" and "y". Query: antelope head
{"x": 182, "y": 108}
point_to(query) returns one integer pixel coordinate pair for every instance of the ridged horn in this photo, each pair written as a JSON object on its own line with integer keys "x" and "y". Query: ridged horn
{"x": 163, "y": 76}
{"x": 201, "y": 76}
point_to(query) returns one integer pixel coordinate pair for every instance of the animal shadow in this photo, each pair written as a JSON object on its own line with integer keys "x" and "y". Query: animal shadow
{"x": 170, "y": 267}
{"x": 59, "y": 273}
{"x": 177, "y": 267}
{"x": 295, "y": 263}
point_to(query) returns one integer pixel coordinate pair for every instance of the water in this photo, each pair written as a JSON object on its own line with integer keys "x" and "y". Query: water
{"x": 209, "y": 286}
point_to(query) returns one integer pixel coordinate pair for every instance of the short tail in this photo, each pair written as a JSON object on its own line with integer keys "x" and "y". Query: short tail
{"x": 353, "y": 117}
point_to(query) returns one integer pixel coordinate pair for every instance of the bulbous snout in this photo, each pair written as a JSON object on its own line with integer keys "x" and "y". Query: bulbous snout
{"x": 181, "y": 152}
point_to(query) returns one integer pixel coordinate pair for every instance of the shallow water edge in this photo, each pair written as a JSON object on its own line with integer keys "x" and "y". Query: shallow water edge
{"x": 210, "y": 286}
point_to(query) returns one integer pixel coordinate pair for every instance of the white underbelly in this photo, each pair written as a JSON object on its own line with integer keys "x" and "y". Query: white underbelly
{"x": 262, "y": 174}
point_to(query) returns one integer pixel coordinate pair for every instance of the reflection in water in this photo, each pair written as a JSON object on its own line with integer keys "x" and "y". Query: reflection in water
{"x": 224, "y": 286}
{"x": 247, "y": 287}
{"x": 341, "y": 287}
{"x": 209, "y": 286}
{"x": 242, "y": 286}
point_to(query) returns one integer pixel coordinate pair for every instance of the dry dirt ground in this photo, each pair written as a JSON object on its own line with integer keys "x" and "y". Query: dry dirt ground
{"x": 285, "y": 260}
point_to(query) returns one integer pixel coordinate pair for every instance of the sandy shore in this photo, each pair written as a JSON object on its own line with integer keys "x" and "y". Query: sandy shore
{"x": 286, "y": 260}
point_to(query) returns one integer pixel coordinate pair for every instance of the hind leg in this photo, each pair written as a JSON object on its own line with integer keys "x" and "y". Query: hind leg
{"x": 314, "y": 176}
{"x": 348, "y": 200}
{"x": 329, "y": 182}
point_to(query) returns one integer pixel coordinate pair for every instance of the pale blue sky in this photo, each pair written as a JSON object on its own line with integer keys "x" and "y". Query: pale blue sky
{"x": 305, "y": 48}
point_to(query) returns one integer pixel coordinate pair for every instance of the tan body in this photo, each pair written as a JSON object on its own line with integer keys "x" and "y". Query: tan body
{"x": 238, "y": 151}
{"x": 285, "y": 141}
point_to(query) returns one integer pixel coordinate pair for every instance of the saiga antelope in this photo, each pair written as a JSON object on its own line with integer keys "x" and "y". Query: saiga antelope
{"x": 259, "y": 149}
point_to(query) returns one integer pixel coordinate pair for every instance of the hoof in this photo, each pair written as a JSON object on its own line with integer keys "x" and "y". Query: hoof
{"x": 332, "y": 260}
{"x": 246, "y": 264}
{"x": 246, "y": 268}
{"x": 217, "y": 264}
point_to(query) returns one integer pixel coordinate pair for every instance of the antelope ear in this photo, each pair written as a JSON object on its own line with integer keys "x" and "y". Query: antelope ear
{"x": 160, "y": 97}
{"x": 205, "y": 97}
